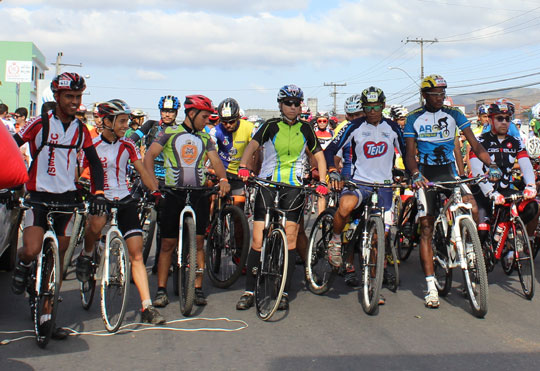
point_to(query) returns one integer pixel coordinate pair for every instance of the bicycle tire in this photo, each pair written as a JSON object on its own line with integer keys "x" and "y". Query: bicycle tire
{"x": 224, "y": 260}
{"x": 9, "y": 256}
{"x": 320, "y": 274}
{"x": 392, "y": 261}
{"x": 76, "y": 236}
{"x": 475, "y": 276}
{"x": 186, "y": 272}
{"x": 507, "y": 269}
{"x": 272, "y": 274}
{"x": 404, "y": 244}
{"x": 489, "y": 256}
{"x": 87, "y": 289}
{"x": 48, "y": 292}
{"x": 309, "y": 209}
{"x": 114, "y": 293}
{"x": 441, "y": 272}
{"x": 148, "y": 231}
{"x": 523, "y": 258}
{"x": 372, "y": 283}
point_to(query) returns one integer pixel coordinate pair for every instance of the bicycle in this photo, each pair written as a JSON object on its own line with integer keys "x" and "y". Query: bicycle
{"x": 112, "y": 259}
{"x": 365, "y": 231}
{"x": 271, "y": 274}
{"x": 44, "y": 281}
{"x": 456, "y": 244}
{"x": 511, "y": 236}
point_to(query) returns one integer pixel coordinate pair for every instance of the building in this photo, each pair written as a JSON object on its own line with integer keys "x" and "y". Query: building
{"x": 29, "y": 92}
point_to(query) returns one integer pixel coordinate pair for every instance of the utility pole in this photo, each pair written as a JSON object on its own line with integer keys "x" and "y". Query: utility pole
{"x": 334, "y": 93}
{"x": 421, "y": 42}
{"x": 59, "y": 63}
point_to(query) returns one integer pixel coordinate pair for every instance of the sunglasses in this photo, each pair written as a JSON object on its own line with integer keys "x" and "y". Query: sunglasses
{"x": 437, "y": 95}
{"x": 229, "y": 122}
{"x": 169, "y": 110}
{"x": 291, "y": 103}
{"x": 376, "y": 108}
{"x": 323, "y": 121}
{"x": 502, "y": 118}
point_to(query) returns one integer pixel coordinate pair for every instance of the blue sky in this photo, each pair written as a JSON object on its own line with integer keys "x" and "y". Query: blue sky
{"x": 139, "y": 50}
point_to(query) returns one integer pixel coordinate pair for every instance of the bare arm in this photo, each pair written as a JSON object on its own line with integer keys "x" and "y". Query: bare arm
{"x": 147, "y": 179}
{"x": 478, "y": 149}
{"x": 224, "y": 186}
{"x": 459, "y": 157}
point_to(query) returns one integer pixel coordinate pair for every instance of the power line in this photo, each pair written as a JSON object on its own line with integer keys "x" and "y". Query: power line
{"x": 496, "y": 90}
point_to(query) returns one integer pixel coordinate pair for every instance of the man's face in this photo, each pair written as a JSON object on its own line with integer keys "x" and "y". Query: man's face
{"x": 202, "y": 119}
{"x": 230, "y": 125}
{"x": 401, "y": 121}
{"x": 434, "y": 97}
{"x": 291, "y": 108}
{"x": 99, "y": 122}
{"x": 68, "y": 101}
{"x": 136, "y": 122}
{"x": 19, "y": 119}
{"x": 120, "y": 125}
{"x": 354, "y": 116}
{"x": 373, "y": 112}
{"x": 322, "y": 123}
{"x": 483, "y": 118}
{"x": 168, "y": 115}
{"x": 500, "y": 123}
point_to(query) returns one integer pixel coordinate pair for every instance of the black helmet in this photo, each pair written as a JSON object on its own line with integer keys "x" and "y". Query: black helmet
{"x": 229, "y": 110}
{"x": 373, "y": 95}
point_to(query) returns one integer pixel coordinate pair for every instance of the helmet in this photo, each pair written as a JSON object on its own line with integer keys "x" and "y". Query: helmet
{"x": 498, "y": 108}
{"x": 68, "y": 81}
{"x": 372, "y": 95}
{"x": 533, "y": 147}
{"x": 516, "y": 122}
{"x": 214, "y": 117}
{"x": 199, "y": 102}
{"x": 433, "y": 81}
{"x": 535, "y": 111}
{"x": 290, "y": 91}
{"x": 113, "y": 107}
{"x": 81, "y": 109}
{"x": 353, "y": 104}
{"x": 137, "y": 113}
{"x": 483, "y": 109}
{"x": 169, "y": 102}
{"x": 229, "y": 110}
{"x": 398, "y": 111}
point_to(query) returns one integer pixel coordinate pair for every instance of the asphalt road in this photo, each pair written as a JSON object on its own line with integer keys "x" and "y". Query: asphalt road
{"x": 318, "y": 332}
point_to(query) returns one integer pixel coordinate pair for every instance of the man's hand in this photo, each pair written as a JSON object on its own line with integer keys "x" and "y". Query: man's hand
{"x": 497, "y": 198}
{"x": 418, "y": 180}
{"x": 158, "y": 196}
{"x": 494, "y": 173}
{"x": 529, "y": 191}
{"x": 335, "y": 179}
{"x": 243, "y": 173}
{"x": 98, "y": 205}
{"x": 224, "y": 187}
{"x": 322, "y": 189}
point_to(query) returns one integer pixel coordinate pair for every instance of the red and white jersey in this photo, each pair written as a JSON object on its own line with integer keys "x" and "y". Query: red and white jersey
{"x": 114, "y": 160}
{"x": 54, "y": 168}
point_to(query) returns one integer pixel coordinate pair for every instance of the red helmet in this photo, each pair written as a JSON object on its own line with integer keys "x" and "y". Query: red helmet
{"x": 68, "y": 81}
{"x": 199, "y": 102}
{"x": 214, "y": 117}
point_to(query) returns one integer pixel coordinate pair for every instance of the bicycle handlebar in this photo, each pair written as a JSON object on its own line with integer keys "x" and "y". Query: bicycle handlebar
{"x": 264, "y": 183}
{"x": 452, "y": 183}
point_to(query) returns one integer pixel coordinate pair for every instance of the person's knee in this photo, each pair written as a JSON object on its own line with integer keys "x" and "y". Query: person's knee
{"x": 167, "y": 245}
{"x": 426, "y": 226}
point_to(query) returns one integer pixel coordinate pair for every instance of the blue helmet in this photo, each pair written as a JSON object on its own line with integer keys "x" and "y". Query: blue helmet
{"x": 290, "y": 91}
{"x": 169, "y": 102}
{"x": 483, "y": 109}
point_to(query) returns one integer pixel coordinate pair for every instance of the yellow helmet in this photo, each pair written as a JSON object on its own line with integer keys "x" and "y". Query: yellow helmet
{"x": 433, "y": 81}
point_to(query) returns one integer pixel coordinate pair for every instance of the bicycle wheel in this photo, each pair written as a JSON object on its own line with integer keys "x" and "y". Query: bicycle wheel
{"x": 392, "y": 260}
{"x": 272, "y": 274}
{"x": 148, "y": 223}
{"x": 225, "y": 257}
{"x": 115, "y": 284}
{"x": 507, "y": 268}
{"x": 372, "y": 263}
{"x": 475, "y": 276}
{"x": 46, "y": 300}
{"x": 523, "y": 258}
{"x": 78, "y": 225}
{"x": 320, "y": 274}
{"x": 188, "y": 266}
{"x": 87, "y": 289}
{"x": 309, "y": 208}
{"x": 442, "y": 273}
{"x": 404, "y": 237}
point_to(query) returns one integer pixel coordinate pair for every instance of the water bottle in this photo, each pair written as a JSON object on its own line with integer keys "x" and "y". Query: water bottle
{"x": 352, "y": 226}
{"x": 497, "y": 237}
{"x": 498, "y": 233}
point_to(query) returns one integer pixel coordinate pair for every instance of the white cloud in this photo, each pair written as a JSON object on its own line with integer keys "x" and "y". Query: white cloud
{"x": 149, "y": 75}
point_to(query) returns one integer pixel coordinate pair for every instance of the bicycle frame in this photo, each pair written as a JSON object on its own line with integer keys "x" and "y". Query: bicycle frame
{"x": 186, "y": 210}
{"x": 508, "y": 225}
{"x": 108, "y": 237}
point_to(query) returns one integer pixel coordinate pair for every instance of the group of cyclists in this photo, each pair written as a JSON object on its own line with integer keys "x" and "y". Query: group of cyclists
{"x": 366, "y": 147}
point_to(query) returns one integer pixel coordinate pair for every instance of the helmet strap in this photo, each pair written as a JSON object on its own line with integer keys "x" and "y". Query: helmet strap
{"x": 111, "y": 129}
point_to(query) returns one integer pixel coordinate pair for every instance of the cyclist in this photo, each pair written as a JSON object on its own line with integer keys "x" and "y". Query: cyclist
{"x": 323, "y": 131}
{"x": 432, "y": 130}
{"x": 513, "y": 130}
{"x": 97, "y": 120}
{"x": 136, "y": 119}
{"x": 373, "y": 140}
{"x": 54, "y": 142}
{"x": 504, "y": 150}
{"x": 211, "y": 127}
{"x": 185, "y": 148}
{"x": 114, "y": 150}
{"x": 535, "y": 121}
{"x": 285, "y": 142}
{"x": 398, "y": 113}
{"x": 483, "y": 120}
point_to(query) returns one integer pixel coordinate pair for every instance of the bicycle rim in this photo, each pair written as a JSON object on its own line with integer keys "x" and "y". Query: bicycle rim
{"x": 46, "y": 301}
{"x": 524, "y": 259}
{"x": 372, "y": 265}
{"x": 272, "y": 274}
{"x": 114, "y": 293}
{"x": 475, "y": 275}
{"x": 186, "y": 271}
{"x": 404, "y": 243}
{"x": 319, "y": 272}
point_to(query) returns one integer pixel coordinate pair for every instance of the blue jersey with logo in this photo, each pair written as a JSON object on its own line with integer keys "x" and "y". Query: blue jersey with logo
{"x": 231, "y": 145}
{"x": 372, "y": 147}
{"x": 435, "y": 133}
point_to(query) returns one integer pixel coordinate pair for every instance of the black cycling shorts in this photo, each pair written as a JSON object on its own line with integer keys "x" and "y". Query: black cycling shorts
{"x": 291, "y": 199}
{"x": 173, "y": 204}
{"x": 128, "y": 218}
{"x": 37, "y": 215}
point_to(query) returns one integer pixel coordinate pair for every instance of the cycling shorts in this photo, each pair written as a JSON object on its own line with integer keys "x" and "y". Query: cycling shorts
{"x": 385, "y": 199}
{"x": 173, "y": 204}
{"x": 37, "y": 215}
{"x": 128, "y": 218}
{"x": 291, "y": 199}
{"x": 237, "y": 185}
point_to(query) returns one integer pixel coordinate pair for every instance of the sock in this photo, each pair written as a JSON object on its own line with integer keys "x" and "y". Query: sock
{"x": 431, "y": 283}
{"x": 146, "y": 303}
{"x": 86, "y": 253}
{"x": 336, "y": 237}
{"x": 290, "y": 270}
{"x": 253, "y": 260}
{"x": 164, "y": 289}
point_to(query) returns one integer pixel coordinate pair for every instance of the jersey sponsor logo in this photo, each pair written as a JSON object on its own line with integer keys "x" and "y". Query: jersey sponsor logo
{"x": 189, "y": 152}
{"x": 372, "y": 149}
{"x": 233, "y": 151}
{"x": 509, "y": 145}
{"x": 51, "y": 168}
{"x": 106, "y": 186}
{"x": 225, "y": 141}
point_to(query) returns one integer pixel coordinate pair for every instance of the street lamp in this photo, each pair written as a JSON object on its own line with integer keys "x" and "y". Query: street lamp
{"x": 410, "y": 77}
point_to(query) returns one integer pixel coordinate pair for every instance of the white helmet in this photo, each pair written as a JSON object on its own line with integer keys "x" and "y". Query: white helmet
{"x": 533, "y": 147}
{"x": 535, "y": 110}
{"x": 353, "y": 104}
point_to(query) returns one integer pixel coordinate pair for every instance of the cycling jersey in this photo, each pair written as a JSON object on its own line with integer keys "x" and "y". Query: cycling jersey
{"x": 345, "y": 153}
{"x": 284, "y": 149}
{"x": 231, "y": 145}
{"x": 324, "y": 136}
{"x": 151, "y": 129}
{"x": 114, "y": 160}
{"x": 372, "y": 149}
{"x": 184, "y": 155}
{"x": 54, "y": 168}
{"x": 435, "y": 133}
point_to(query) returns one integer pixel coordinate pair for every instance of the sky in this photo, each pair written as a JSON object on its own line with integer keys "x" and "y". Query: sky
{"x": 139, "y": 50}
